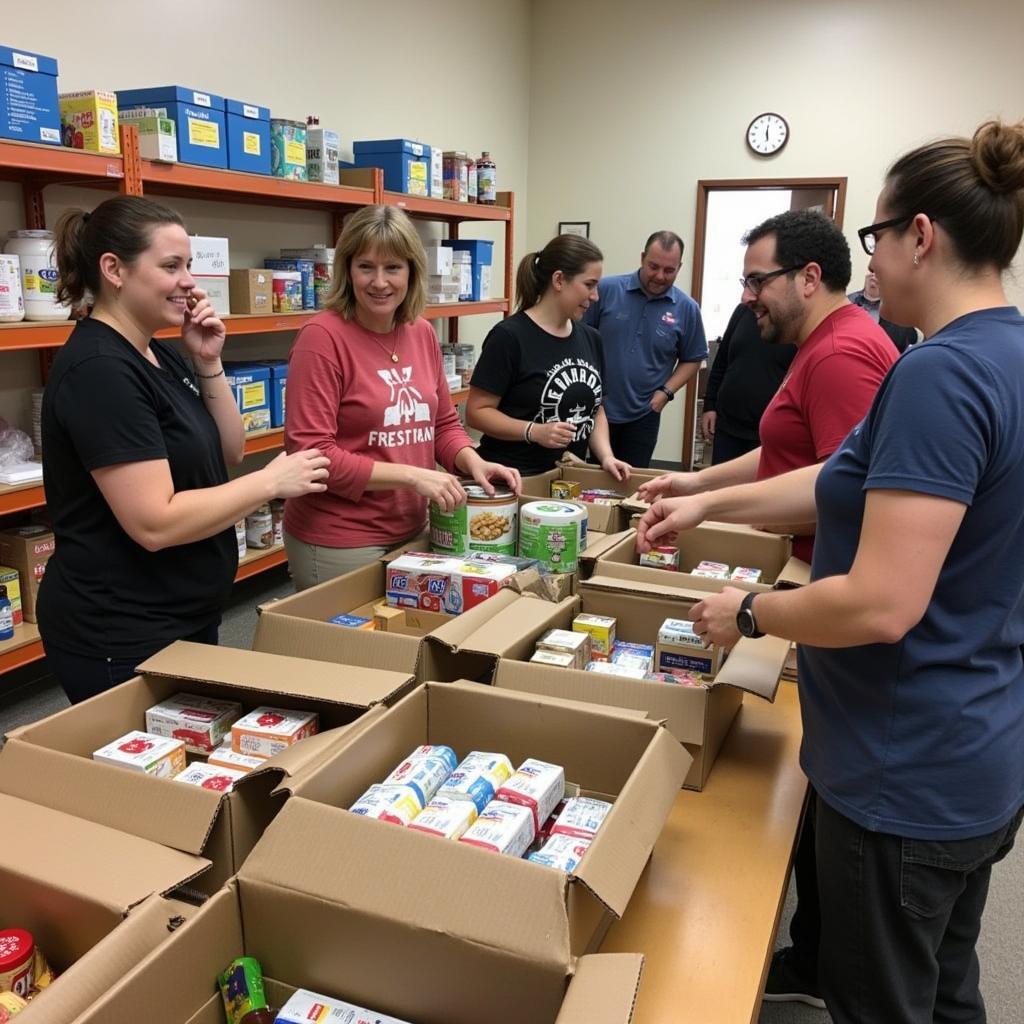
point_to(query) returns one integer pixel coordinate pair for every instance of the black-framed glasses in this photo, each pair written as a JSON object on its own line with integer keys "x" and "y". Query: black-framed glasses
{"x": 869, "y": 235}
{"x": 756, "y": 281}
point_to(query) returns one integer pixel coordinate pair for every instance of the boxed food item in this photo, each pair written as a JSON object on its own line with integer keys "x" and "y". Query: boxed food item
{"x": 225, "y": 757}
{"x": 502, "y": 827}
{"x": 396, "y": 804}
{"x": 304, "y": 1006}
{"x": 602, "y": 633}
{"x": 537, "y": 785}
{"x": 564, "y": 641}
{"x": 446, "y": 817}
{"x": 679, "y": 647}
{"x": 612, "y": 668}
{"x": 477, "y": 778}
{"x": 322, "y": 152}
{"x": 88, "y": 121}
{"x": 562, "y": 852}
{"x": 27, "y": 549}
{"x": 210, "y": 776}
{"x": 158, "y": 139}
{"x": 665, "y": 557}
{"x": 201, "y": 723}
{"x": 566, "y": 490}
{"x": 560, "y": 659}
{"x": 353, "y": 621}
{"x": 581, "y": 817}
{"x": 633, "y": 655}
{"x": 250, "y": 383}
{"x": 267, "y": 731}
{"x": 423, "y": 775}
{"x": 745, "y": 574}
{"x": 443, "y": 584}
{"x": 144, "y": 752}
{"x": 10, "y": 579}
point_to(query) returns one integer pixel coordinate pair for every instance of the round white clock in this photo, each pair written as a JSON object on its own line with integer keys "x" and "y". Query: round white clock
{"x": 767, "y": 134}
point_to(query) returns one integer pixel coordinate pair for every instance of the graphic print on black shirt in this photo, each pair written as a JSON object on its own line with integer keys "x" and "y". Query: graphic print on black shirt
{"x": 542, "y": 378}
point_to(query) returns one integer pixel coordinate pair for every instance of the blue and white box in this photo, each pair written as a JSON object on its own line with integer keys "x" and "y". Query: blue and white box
{"x": 198, "y": 117}
{"x": 406, "y": 164}
{"x": 482, "y": 252}
{"x": 251, "y": 384}
{"x": 248, "y": 128}
{"x": 307, "y": 268}
{"x": 29, "y": 108}
{"x": 278, "y": 388}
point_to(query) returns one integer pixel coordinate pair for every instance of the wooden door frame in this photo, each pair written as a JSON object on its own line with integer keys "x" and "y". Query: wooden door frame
{"x": 705, "y": 186}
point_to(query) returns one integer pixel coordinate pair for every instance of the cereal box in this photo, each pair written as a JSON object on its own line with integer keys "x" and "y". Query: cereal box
{"x": 267, "y": 731}
{"x": 210, "y": 776}
{"x": 140, "y": 751}
{"x": 602, "y": 633}
{"x": 200, "y": 722}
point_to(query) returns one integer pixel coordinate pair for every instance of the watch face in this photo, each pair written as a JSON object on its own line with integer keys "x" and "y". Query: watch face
{"x": 745, "y": 622}
{"x": 767, "y": 134}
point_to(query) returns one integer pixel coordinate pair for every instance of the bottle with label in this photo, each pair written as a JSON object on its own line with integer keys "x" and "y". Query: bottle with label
{"x": 487, "y": 179}
{"x": 472, "y": 176}
{"x": 6, "y": 616}
{"x": 12, "y": 307}
{"x": 38, "y": 274}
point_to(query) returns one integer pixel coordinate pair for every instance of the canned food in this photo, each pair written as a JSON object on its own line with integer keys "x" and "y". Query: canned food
{"x": 17, "y": 961}
{"x": 485, "y": 523}
{"x": 259, "y": 528}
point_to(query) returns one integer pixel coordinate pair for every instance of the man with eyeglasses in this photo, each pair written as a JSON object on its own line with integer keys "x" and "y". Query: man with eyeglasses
{"x": 795, "y": 274}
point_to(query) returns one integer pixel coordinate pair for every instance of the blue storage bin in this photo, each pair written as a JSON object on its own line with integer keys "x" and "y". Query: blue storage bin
{"x": 278, "y": 386}
{"x": 198, "y": 117}
{"x": 250, "y": 383}
{"x": 482, "y": 253}
{"x": 248, "y": 129}
{"x": 29, "y": 108}
{"x": 406, "y": 164}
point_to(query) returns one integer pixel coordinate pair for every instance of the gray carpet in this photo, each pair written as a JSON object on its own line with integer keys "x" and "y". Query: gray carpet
{"x": 31, "y": 694}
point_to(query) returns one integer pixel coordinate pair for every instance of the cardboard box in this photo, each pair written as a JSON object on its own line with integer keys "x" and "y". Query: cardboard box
{"x": 88, "y": 121}
{"x": 49, "y": 762}
{"x": 698, "y": 717}
{"x": 86, "y": 893}
{"x": 11, "y": 580}
{"x": 250, "y": 291}
{"x": 609, "y": 753}
{"x": 733, "y": 545}
{"x": 29, "y": 107}
{"x": 218, "y": 291}
{"x": 322, "y": 150}
{"x": 27, "y": 549}
{"x": 341, "y": 933}
{"x": 158, "y": 139}
{"x": 198, "y": 117}
{"x": 251, "y": 384}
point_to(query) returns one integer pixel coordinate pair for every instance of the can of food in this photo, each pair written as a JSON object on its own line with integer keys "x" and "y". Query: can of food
{"x": 241, "y": 988}
{"x": 553, "y": 532}
{"x": 240, "y": 537}
{"x": 484, "y": 523}
{"x": 277, "y": 519}
{"x": 17, "y": 961}
{"x": 259, "y": 528}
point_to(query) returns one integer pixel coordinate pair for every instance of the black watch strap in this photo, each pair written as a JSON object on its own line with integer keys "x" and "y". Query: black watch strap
{"x": 745, "y": 621}
{"x": 668, "y": 392}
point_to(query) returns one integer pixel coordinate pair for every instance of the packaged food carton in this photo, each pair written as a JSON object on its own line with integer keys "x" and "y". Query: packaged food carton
{"x": 267, "y": 731}
{"x": 144, "y": 752}
{"x": 200, "y": 722}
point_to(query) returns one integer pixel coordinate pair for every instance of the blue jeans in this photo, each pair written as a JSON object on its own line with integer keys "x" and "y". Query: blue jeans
{"x": 900, "y": 920}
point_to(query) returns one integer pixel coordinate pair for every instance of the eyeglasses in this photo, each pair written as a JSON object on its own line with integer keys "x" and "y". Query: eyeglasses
{"x": 869, "y": 235}
{"x": 756, "y": 281}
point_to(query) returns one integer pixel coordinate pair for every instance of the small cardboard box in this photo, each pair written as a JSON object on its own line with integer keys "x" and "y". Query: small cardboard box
{"x": 250, "y": 291}
{"x": 11, "y": 580}
{"x": 88, "y": 121}
{"x": 87, "y": 895}
{"x": 698, "y": 717}
{"x": 158, "y": 139}
{"x": 613, "y": 754}
{"x": 49, "y": 762}
{"x": 27, "y": 549}
{"x": 340, "y": 933}
{"x": 322, "y": 150}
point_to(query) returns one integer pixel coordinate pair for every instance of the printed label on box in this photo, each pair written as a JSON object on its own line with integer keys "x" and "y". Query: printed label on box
{"x": 251, "y": 143}
{"x": 253, "y": 395}
{"x": 203, "y": 133}
{"x": 25, "y": 62}
{"x": 295, "y": 152}
{"x": 200, "y": 99}
{"x": 250, "y": 111}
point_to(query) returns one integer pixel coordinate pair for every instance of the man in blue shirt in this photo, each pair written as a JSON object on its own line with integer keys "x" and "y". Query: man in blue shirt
{"x": 653, "y": 345}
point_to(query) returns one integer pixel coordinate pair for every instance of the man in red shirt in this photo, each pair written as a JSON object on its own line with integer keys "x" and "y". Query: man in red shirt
{"x": 795, "y": 273}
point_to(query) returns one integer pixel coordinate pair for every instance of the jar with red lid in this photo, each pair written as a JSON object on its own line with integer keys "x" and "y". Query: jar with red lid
{"x": 17, "y": 961}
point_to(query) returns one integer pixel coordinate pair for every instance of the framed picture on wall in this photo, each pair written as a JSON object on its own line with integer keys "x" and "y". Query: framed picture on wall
{"x": 574, "y": 227}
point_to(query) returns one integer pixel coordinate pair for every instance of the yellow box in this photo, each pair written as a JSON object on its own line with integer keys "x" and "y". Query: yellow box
{"x": 11, "y": 579}
{"x": 602, "y": 633}
{"x": 566, "y": 490}
{"x": 88, "y": 120}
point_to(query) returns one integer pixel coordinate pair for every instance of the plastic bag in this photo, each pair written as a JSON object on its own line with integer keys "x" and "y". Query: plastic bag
{"x": 15, "y": 445}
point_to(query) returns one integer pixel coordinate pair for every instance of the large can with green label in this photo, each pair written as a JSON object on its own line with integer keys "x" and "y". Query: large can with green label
{"x": 553, "y": 532}
{"x": 486, "y": 522}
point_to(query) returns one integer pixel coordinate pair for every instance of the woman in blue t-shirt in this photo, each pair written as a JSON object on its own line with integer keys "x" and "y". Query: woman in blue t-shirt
{"x": 911, "y": 656}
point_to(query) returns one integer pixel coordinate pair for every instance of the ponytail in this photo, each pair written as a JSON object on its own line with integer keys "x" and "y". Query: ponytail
{"x": 567, "y": 253}
{"x": 70, "y": 257}
{"x": 529, "y": 286}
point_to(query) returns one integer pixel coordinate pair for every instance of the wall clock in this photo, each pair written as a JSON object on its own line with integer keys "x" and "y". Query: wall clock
{"x": 767, "y": 134}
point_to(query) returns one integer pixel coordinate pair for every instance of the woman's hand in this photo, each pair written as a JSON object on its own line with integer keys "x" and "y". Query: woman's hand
{"x": 203, "y": 331}
{"x": 555, "y": 434}
{"x": 441, "y": 488}
{"x": 616, "y": 467}
{"x": 669, "y": 485}
{"x": 300, "y": 473}
{"x": 714, "y": 618}
{"x": 707, "y": 424}
{"x": 665, "y": 519}
{"x": 486, "y": 472}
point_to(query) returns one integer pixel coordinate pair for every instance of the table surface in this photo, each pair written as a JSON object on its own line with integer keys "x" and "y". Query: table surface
{"x": 706, "y": 909}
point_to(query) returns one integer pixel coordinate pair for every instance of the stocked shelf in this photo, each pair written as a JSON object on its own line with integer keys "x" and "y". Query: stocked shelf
{"x": 254, "y": 562}
{"x": 447, "y": 209}
{"x": 447, "y": 309}
{"x": 27, "y": 161}
{"x": 20, "y": 497}
{"x": 25, "y": 648}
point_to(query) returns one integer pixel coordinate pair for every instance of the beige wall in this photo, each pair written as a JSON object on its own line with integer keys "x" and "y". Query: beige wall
{"x": 632, "y": 103}
{"x": 447, "y": 72}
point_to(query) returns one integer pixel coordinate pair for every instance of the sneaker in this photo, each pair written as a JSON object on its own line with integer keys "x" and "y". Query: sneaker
{"x": 786, "y": 984}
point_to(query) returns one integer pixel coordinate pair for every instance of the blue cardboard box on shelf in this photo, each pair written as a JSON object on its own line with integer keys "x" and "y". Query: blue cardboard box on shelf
{"x": 278, "y": 386}
{"x": 29, "y": 108}
{"x": 406, "y": 164}
{"x": 198, "y": 118}
{"x": 307, "y": 268}
{"x": 482, "y": 252}
{"x": 248, "y": 132}
{"x": 251, "y": 384}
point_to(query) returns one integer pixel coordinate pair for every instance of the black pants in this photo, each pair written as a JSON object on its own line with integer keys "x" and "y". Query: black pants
{"x": 900, "y": 919}
{"x": 82, "y": 677}
{"x": 805, "y": 925}
{"x": 634, "y": 442}
{"x": 728, "y": 446}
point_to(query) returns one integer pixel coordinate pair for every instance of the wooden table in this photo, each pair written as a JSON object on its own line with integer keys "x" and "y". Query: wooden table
{"x": 707, "y": 907}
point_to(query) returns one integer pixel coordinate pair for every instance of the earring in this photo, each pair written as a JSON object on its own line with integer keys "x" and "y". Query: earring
{"x": 917, "y": 260}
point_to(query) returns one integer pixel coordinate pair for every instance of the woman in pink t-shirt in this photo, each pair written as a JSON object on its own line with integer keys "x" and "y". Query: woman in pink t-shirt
{"x": 366, "y": 386}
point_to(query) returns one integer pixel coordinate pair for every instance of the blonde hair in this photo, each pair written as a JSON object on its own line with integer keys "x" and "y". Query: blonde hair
{"x": 390, "y": 231}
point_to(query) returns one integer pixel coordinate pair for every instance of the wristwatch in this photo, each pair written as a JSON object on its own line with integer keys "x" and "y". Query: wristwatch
{"x": 745, "y": 621}
{"x": 669, "y": 393}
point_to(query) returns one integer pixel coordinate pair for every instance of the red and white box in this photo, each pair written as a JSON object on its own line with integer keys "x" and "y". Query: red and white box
{"x": 561, "y": 852}
{"x": 225, "y": 757}
{"x": 267, "y": 731}
{"x": 536, "y": 785}
{"x": 201, "y": 722}
{"x": 581, "y": 817}
{"x": 397, "y": 804}
{"x": 158, "y": 756}
{"x": 210, "y": 776}
{"x": 502, "y": 828}
{"x": 445, "y": 817}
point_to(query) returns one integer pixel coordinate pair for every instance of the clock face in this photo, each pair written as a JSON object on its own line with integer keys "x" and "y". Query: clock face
{"x": 767, "y": 134}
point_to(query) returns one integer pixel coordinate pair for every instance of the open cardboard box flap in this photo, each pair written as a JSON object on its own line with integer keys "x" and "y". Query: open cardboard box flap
{"x": 107, "y": 867}
{"x": 755, "y": 666}
{"x": 279, "y": 676}
{"x": 636, "y": 579}
{"x": 454, "y": 633}
{"x": 603, "y": 990}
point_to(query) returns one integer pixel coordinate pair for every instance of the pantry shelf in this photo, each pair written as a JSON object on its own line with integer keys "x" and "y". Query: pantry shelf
{"x": 20, "y": 497}
{"x": 15, "y": 337}
{"x": 25, "y": 648}
{"x": 255, "y": 562}
{"x": 265, "y": 441}
{"x": 449, "y": 210}
{"x": 27, "y": 161}
{"x": 449, "y": 309}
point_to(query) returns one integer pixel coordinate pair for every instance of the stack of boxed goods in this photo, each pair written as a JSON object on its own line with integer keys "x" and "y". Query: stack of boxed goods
{"x": 481, "y": 257}
{"x": 482, "y": 801}
{"x": 29, "y": 107}
{"x": 211, "y": 268}
{"x": 26, "y": 550}
{"x": 322, "y": 259}
{"x": 288, "y": 298}
{"x": 89, "y": 121}
{"x": 442, "y": 282}
{"x": 158, "y": 139}
{"x": 199, "y": 120}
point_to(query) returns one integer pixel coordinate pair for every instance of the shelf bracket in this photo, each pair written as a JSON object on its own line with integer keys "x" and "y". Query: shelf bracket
{"x": 35, "y": 208}
{"x": 131, "y": 183}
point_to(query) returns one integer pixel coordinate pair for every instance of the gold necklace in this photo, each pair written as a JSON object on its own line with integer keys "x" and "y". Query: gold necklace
{"x": 394, "y": 351}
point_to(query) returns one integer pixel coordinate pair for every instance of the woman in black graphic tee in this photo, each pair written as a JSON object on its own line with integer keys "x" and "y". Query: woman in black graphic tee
{"x": 537, "y": 388}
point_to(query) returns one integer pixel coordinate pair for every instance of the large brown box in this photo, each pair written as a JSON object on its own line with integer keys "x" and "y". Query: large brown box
{"x": 251, "y": 291}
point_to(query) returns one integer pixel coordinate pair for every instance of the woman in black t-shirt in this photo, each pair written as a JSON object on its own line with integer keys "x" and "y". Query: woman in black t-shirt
{"x": 536, "y": 391}
{"x": 136, "y": 443}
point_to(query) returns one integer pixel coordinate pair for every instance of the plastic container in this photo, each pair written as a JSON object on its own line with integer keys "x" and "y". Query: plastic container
{"x": 12, "y": 305}
{"x": 34, "y": 249}
{"x": 17, "y": 960}
{"x": 553, "y": 532}
{"x": 487, "y": 180}
{"x": 288, "y": 149}
{"x": 456, "y": 175}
